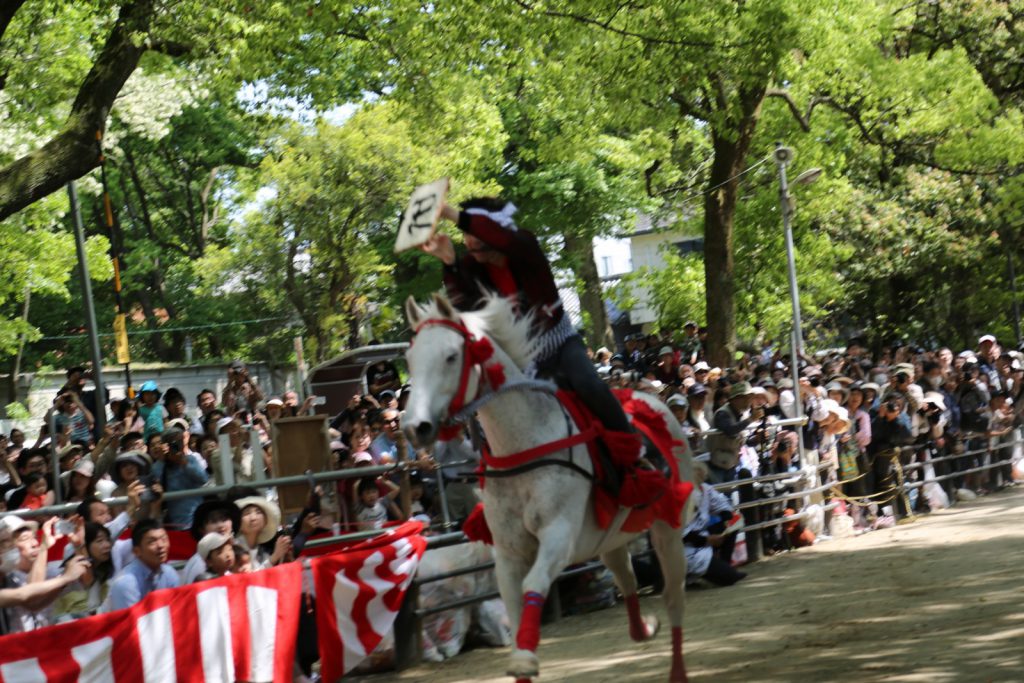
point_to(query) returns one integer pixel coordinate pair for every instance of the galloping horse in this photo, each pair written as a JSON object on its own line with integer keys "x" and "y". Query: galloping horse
{"x": 541, "y": 518}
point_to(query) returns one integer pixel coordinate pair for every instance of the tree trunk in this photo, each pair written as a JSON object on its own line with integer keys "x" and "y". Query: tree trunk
{"x": 72, "y": 153}
{"x": 159, "y": 346}
{"x": 581, "y": 253}
{"x": 730, "y": 152}
{"x": 12, "y": 396}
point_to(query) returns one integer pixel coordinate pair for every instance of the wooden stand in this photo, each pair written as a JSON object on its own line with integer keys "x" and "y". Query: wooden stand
{"x": 300, "y": 444}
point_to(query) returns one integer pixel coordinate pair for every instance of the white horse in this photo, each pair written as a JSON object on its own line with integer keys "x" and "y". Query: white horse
{"x": 541, "y": 519}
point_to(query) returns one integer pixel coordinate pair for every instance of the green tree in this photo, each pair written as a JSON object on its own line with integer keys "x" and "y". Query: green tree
{"x": 320, "y": 247}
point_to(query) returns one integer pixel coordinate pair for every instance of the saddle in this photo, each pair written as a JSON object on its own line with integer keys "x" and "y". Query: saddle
{"x": 622, "y": 479}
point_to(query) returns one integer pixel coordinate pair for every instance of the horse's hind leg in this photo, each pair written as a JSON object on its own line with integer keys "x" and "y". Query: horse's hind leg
{"x": 617, "y": 560}
{"x": 668, "y": 544}
{"x": 554, "y": 551}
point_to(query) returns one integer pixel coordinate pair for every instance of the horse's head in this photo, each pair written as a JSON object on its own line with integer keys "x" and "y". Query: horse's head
{"x": 441, "y": 361}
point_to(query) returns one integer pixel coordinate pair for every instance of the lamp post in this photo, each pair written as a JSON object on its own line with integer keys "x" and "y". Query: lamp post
{"x": 783, "y": 157}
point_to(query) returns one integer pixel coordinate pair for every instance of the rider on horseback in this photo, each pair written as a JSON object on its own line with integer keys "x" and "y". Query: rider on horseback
{"x": 506, "y": 260}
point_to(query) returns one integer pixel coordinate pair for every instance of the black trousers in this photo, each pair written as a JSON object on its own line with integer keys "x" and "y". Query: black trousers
{"x": 721, "y": 573}
{"x": 570, "y": 365}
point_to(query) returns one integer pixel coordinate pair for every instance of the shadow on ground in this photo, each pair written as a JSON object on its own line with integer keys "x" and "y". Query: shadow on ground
{"x": 939, "y": 600}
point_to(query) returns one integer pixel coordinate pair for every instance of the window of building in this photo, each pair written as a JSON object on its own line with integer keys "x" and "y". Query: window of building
{"x": 690, "y": 246}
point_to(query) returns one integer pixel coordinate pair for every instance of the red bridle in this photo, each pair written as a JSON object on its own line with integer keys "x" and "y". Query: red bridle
{"x": 475, "y": 353}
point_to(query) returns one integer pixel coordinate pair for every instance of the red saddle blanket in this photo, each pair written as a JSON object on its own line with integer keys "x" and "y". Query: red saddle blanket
{"x": 647, "y": 493}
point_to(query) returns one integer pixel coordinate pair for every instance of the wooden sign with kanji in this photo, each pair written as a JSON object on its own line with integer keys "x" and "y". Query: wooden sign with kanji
{"x": 421, "y": 215}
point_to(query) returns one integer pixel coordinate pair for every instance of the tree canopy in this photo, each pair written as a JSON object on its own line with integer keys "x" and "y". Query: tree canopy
{"x": 258, "y": 155}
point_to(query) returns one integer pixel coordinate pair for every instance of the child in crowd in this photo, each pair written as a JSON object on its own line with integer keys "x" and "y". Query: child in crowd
{"x": 243, "y": 560}
{"x": 218, "y": 551}
{"x": 372, "y": 508}
{"x": 35, "y": 491}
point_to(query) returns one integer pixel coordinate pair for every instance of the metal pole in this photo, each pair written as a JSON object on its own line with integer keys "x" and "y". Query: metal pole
{"x": 58, "y": 492}
{"x": 444, "y": 499}
{"x": 115, "y": 253}
{"x": 90, "y": 311}
{"x": 798, "y": 399}
{"x": 794, "y": 292}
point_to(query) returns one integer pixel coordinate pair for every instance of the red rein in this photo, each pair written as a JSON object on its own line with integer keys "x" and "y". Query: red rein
{"x": 476, "y": 352}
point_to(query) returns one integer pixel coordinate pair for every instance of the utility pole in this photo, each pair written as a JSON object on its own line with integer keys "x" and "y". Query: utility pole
{"x": 90, "y": 311}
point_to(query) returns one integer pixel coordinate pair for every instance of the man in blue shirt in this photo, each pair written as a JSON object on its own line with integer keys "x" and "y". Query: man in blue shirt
{"x": 177, "y": 469}
{"x": 386, "y": 447}
{"x": 149, "y": 571}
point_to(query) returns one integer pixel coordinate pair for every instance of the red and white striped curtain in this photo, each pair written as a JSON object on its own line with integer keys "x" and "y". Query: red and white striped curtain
{"x": 240, "y": 627}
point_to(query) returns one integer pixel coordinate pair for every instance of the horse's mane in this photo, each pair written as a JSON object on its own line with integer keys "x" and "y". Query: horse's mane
{"x": 498, "y": 320}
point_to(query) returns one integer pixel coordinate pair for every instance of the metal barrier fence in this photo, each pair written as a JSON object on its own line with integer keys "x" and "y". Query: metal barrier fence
{"x": 408, "y": 628}
{"x": 408, "y": 624}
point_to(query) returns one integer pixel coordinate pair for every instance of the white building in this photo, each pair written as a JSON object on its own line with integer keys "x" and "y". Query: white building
{"x": 641, "y": 248}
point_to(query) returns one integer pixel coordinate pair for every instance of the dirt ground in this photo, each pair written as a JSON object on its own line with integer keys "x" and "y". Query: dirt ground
{"x": 938, "y": 600}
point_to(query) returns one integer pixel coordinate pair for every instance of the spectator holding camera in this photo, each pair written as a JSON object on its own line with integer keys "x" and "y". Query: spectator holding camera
{"x": 28, "y": 587}
{"x": 178, "y": 469}
{"x": 706, "y": 541}
{"x": 730, "y": 420}
{"x": 890, "y": 431}
{"x": 241, "y": 393}
{"x": 71, "y": 415}
{"x": 973, "y": 399}
{"x": 132, "y": 471}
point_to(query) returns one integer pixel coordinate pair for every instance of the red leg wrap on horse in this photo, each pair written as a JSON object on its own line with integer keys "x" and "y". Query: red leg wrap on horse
{"x": 637, "y": 628}
{"x": 529, "y": 622}
{"x": 678, "y": 673}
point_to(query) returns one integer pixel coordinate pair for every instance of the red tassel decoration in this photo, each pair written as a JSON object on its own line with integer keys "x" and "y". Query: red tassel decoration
{"x": 479, "y": 350}
{"x": 495, "y": 375}
{"x": 475, "y": 527}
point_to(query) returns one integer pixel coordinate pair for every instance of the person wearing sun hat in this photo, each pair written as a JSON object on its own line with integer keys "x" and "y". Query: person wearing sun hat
{"x": 260, "y": 520}
{"x": 218, "y": 554}
{"x": 730, "y": 420}
{"x": 665, "y": 369}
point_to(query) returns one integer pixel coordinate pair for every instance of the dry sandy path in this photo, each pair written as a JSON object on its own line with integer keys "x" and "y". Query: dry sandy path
{"x": 938, "y": 600}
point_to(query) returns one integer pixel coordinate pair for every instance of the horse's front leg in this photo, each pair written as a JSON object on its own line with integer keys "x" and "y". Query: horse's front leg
{"x": 554, "y": 552}
{"x": 509, "y": 569}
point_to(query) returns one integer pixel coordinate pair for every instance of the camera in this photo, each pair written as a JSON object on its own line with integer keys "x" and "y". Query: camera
{"x": 148, "y": 496}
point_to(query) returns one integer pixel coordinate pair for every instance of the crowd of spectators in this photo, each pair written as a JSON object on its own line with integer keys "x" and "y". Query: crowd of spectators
{"x": 887, "y": 435}
{"x": 874, "y": 422}
{"x": 97, "y": 557}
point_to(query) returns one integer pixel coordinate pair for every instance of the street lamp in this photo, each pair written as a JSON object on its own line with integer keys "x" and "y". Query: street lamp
{"x": 783, "y": 157}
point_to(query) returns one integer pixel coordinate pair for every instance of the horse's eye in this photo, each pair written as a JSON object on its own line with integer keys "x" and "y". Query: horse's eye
{"x": 452, "y": 357}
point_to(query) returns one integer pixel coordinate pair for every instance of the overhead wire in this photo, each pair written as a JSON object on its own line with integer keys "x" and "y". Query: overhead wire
{"x": 163, "y": 330}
